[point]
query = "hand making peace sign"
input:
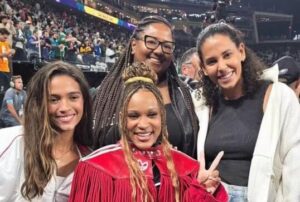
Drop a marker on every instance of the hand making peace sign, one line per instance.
(209, 178)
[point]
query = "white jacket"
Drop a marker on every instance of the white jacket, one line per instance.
(275, 167)
(12, 171)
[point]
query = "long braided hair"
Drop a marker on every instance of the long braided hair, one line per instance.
(138, 180)
(105, 112)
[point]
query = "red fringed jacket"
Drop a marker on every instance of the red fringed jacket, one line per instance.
(104, 176)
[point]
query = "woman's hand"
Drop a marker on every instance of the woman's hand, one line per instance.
(209, 178)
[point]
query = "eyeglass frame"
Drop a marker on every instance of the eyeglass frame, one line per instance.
(160, 43)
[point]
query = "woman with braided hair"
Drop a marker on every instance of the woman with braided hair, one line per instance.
(153, 43)
(143, 166)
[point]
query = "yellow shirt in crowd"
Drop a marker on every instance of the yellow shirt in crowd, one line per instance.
(4, 48)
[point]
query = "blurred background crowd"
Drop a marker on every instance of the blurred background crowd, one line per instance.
(47, 30)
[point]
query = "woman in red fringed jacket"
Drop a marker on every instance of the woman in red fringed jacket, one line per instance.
(143, 166)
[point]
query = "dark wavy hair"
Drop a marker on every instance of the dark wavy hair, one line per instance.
(40, 131)
(251, 68)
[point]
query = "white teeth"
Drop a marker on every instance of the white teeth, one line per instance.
(144, 134)
(66, 118)
(227, 75)
(155, 59)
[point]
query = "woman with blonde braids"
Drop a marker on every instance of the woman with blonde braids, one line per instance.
(143, 166)
(37, 160)
(152, 42)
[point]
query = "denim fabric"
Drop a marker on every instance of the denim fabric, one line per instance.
(9, 122)
(18, 100)
(236, 193)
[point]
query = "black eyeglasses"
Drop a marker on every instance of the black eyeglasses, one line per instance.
(152, 43)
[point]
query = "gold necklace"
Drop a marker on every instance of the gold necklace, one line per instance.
(61, 156)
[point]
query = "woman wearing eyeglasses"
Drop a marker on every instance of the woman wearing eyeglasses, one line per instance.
(152, 42)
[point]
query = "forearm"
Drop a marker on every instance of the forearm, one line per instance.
(9, 53)
(13, 112)
(3, 55)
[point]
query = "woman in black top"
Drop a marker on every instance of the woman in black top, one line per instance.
(255, 122)
(235, 95)
(152, 42)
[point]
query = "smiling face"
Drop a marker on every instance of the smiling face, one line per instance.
(222, 63)
(65, 104)
(143, 119)
(156, 59)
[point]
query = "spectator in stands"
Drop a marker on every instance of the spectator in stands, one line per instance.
(110, 54)
(143, 166)
(153, 43)
(27, 30)
(255, 122)
(189, 68)
(289, 73)
(98, 50)
(46, 46)
(72, 46)
(7, 23)
(33, 44)
(5, 54)
(86, 50)
(86, 47)
(102, 45)
(62, 43)
(55, 51)
(19, 42)
(13, 103)
(38, 160)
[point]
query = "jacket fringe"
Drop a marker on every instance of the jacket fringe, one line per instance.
(90, 184)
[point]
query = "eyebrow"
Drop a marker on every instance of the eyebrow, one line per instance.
(225, 51)
(136, 109)
(158, 39)
(70, 93)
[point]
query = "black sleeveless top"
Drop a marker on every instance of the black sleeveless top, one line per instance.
(175, 131)
(234, 128)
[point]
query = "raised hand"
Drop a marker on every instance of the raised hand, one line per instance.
(209, 178)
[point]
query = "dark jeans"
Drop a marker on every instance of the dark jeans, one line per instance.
(4, 81)
(9, 123)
